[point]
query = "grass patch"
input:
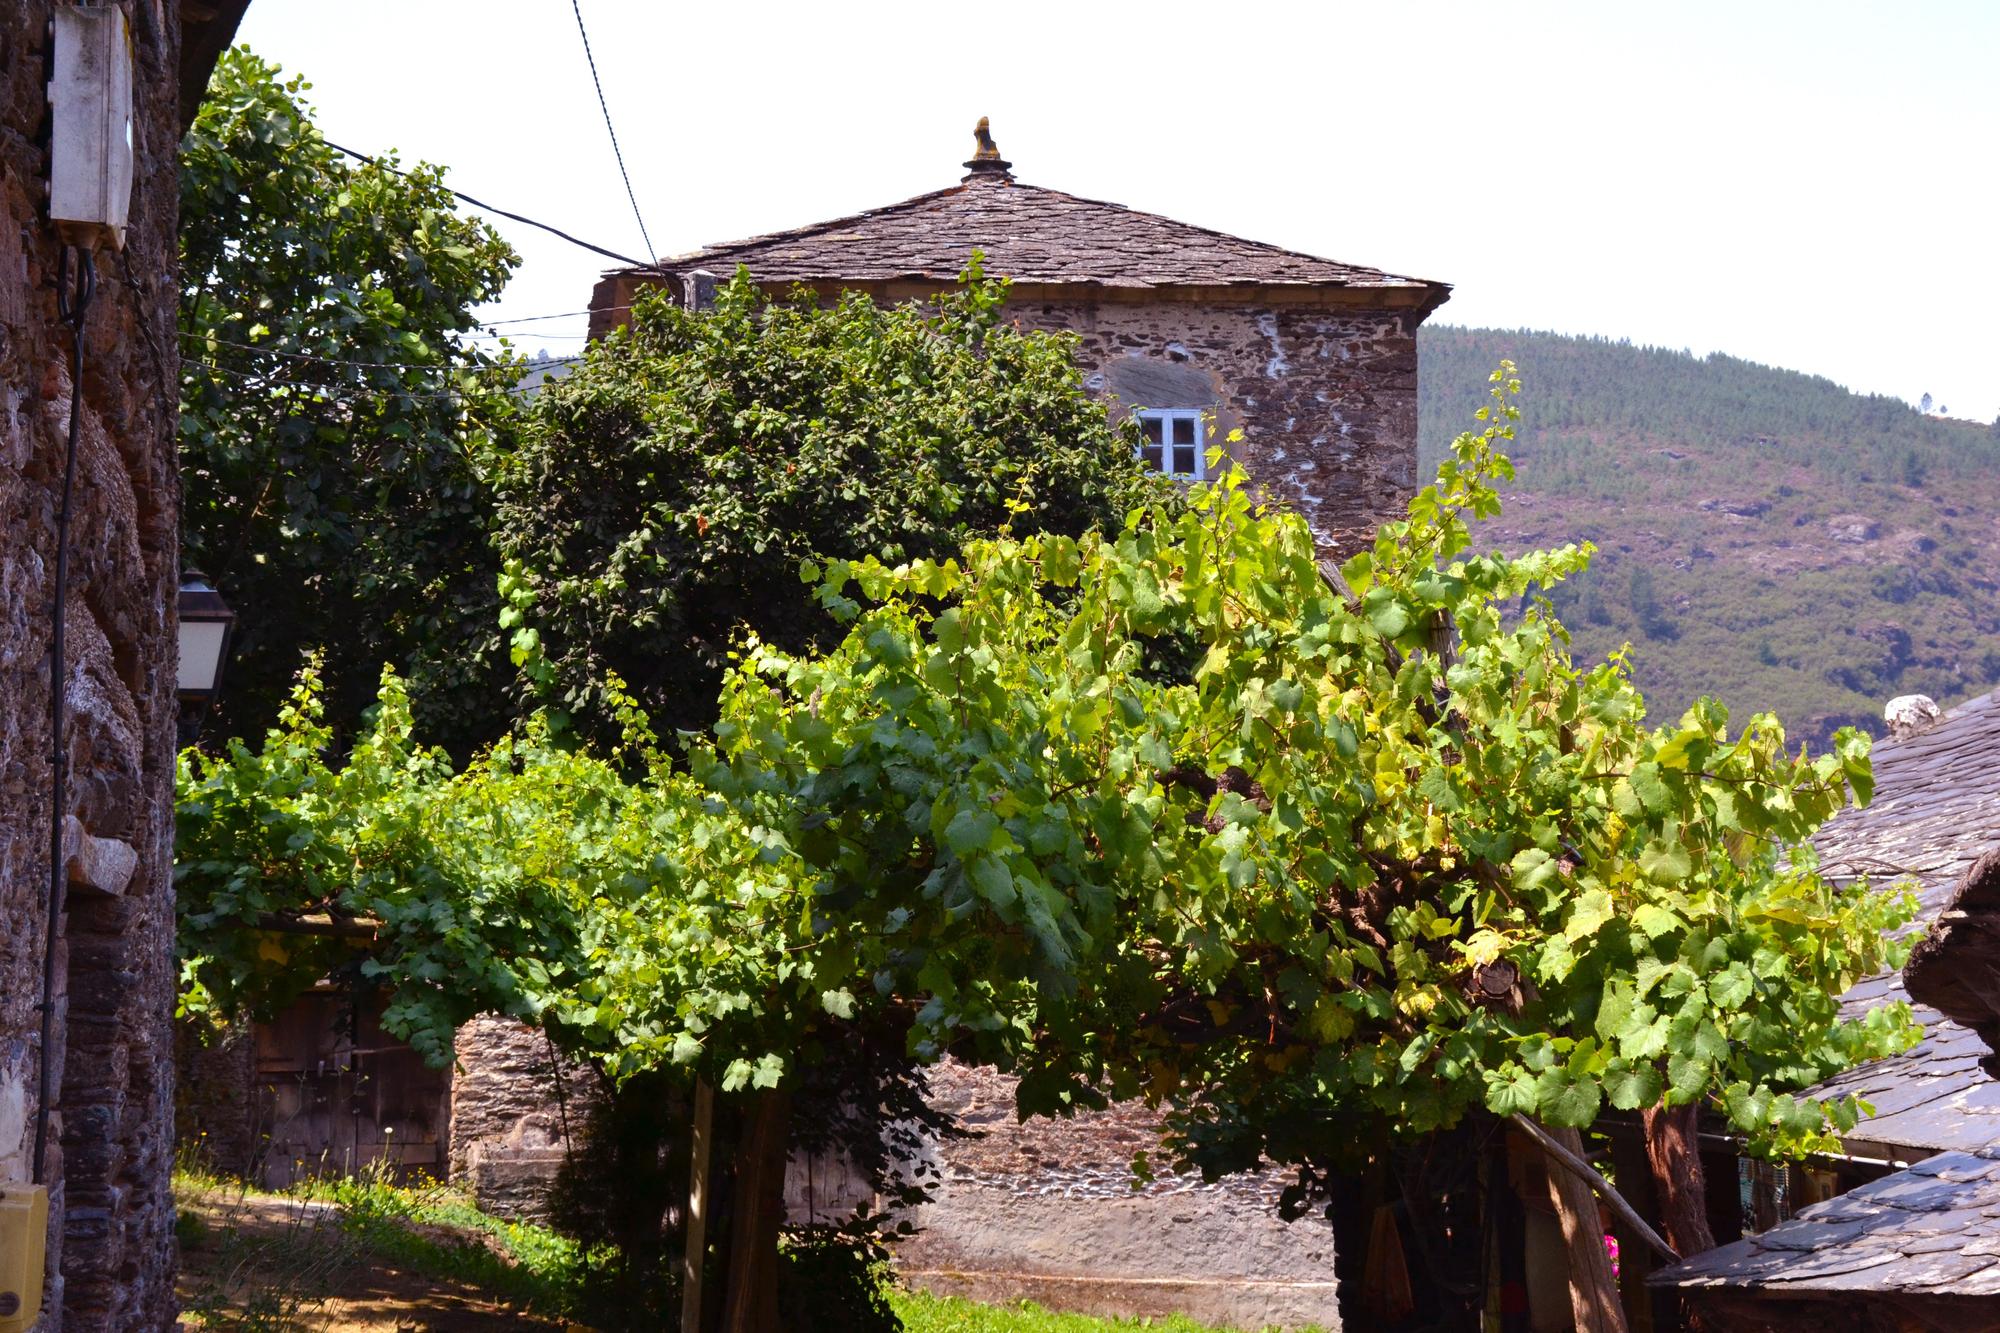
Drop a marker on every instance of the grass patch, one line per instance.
(438, 1232)
(925, 1313)
(255, 1261)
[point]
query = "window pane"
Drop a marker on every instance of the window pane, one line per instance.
(1151, 453)
(1183, 430)
(1184, 460)
(1151, 427)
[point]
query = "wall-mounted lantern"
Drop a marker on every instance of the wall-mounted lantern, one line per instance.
(206, 621)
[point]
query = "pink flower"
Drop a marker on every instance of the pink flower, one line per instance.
(1611, 1248)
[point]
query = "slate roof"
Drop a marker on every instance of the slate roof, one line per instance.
(1934, 1228)
(1936, 810)
(1031, 235)
(1931, 1230)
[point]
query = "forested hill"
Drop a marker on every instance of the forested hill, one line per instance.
(1764, 536)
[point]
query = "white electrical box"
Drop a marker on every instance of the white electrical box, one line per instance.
(90, 146)
(24, 1239)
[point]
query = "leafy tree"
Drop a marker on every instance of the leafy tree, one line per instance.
(1645, 603)
(1160, 813)
(666, 490)
(330, 416)
(1914, 472)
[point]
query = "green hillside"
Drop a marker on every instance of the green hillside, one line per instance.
(1764, 536)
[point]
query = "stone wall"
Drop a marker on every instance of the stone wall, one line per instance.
(1048, 1211)
(215, 1102)
(111, 1232)
(1326, 396)
(510, 1130)
(511, 1134)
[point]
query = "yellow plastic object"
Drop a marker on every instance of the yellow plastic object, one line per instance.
(24, 1238)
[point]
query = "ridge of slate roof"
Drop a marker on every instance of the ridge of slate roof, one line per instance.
(1029, 234)
(1936, 812)
(1933, 1229)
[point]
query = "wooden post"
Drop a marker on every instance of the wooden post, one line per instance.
(750, 1299)
(1673, 1149)
(695, 1252)
(1636, 1258)
(1593, 1293)
(1569, 1154)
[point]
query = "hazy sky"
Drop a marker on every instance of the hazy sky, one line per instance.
(1815, 186)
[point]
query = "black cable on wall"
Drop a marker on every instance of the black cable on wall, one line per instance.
(73, 304)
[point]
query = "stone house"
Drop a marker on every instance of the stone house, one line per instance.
(1315, 361)
(86, 1075)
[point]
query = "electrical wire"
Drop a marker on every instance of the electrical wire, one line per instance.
(319, 392)
(563, 314)
(492, 208)
(207, 339)
(558, 337)
(616, 151)
(536, 319)
(73, 306)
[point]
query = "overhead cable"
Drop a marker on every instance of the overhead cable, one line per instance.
(517, 217)
(325, 393)
(209, 339)
(616, 151)
(536, 319)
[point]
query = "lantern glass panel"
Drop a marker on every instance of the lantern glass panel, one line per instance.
(201, 654)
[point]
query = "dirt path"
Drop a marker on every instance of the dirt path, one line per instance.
(254, 1262)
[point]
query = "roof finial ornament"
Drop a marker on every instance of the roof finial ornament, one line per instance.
(986, 161)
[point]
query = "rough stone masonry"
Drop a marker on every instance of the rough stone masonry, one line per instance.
(1326, 398)
(111, 1216)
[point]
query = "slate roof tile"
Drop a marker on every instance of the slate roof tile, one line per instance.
(1907, 1232)
(1032, 235)
(1934, 1228)
(1936, 811)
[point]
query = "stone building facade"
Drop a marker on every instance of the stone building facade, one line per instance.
(110, 1253)
(1314, 361)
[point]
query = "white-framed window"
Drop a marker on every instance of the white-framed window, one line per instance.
(1172, 442)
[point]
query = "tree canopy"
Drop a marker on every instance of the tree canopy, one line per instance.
(332, 414)
(665, 491)
(1162, 811)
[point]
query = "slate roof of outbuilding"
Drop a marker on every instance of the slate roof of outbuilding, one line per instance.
(1936, 811)
(1031, 235)
(1934, 1228)
(1931, 1230)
